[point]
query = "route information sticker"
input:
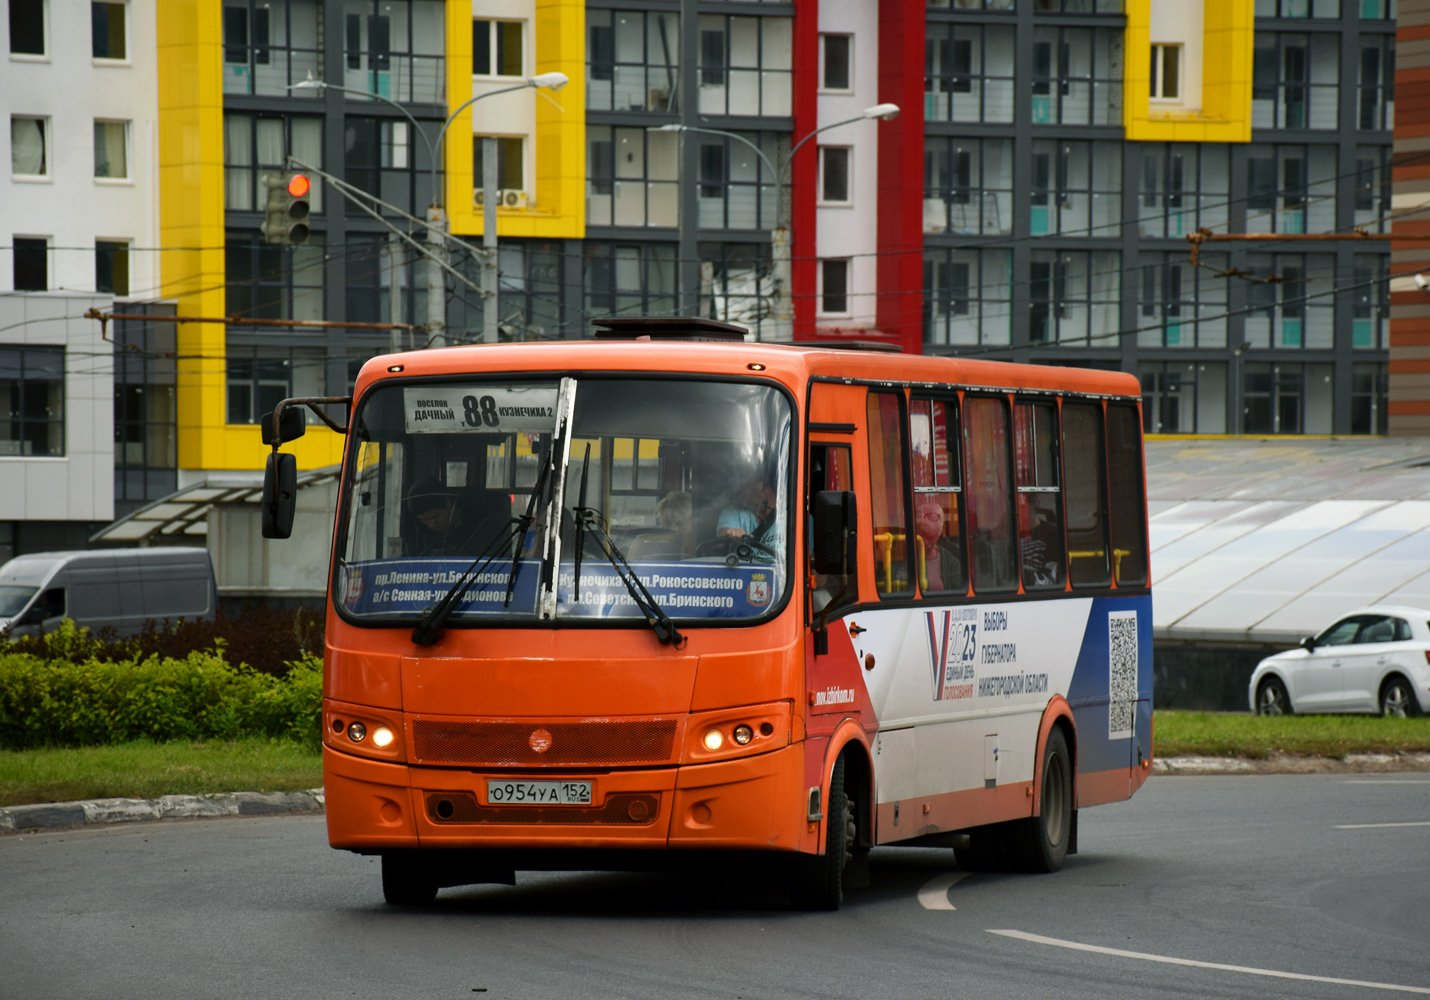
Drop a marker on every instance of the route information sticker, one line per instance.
(483, 409)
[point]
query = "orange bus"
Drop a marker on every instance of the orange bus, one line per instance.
(619, 602)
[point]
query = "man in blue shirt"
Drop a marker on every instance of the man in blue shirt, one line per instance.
(754, 515)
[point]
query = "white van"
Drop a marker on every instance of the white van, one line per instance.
(105, 588)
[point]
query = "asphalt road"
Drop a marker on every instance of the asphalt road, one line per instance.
(1243, 871)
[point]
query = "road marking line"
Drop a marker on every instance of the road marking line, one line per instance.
(934, 894)
(1386, 781)
(1075, 946)
(1376, 826)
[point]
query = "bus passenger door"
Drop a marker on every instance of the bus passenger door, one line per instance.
(833, 675)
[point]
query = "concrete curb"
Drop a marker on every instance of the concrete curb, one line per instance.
(57, 815)
(1351, 763)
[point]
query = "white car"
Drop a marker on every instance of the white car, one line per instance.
(1375, 659)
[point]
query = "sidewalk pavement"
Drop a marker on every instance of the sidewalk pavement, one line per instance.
(58, 815)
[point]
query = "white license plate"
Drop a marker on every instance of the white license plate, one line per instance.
(538, 793)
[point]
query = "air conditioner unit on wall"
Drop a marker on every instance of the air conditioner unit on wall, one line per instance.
(506, 198)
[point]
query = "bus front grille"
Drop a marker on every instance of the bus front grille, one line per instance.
(596, 742)
(621, 809)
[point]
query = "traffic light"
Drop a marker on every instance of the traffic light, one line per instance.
(287, 207)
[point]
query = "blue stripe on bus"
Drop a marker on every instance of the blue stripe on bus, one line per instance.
(1088, 694)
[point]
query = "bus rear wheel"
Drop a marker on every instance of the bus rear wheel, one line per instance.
(817, 882)
(406, 881)
(1040, 843)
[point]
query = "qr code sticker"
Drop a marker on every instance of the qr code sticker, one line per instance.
(1122, 672)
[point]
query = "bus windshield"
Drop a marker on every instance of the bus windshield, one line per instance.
(545, 497)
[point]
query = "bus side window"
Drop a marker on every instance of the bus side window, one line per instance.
(1128, 507)
(831, 467)
(886, 493)
(1035, 470)
(990, 503)
(1085, 495)
(933, 452)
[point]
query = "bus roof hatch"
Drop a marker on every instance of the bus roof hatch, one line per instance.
(667, 328)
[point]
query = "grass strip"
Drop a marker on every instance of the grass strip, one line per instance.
(145, 770)
(1232, 734)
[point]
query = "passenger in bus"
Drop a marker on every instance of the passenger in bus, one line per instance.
(754, 514)
(1042, 549)
(447, 528)
(942, 567)
(676, 512)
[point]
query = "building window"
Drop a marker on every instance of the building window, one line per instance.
(967, 297)
(1166, 72)
(1077, 188)
(383, 157)
(1316, 8)
(836, 67)
(1179, 305)
(107, 30)
(32, 397)
(368, 288)
(968, 185)
(1184, 186)
(270, 44)
(1375, 106)
(1074, 298)
(260, 377)
(29, 147)
(1183, 397)
(111, 267)
(111, 150)
(395, 48)
(31, 263)
(1077, 76)
(834, 181)
(529, 293)
(735, 283)
(27, 27)
(1290, 189)
(1069, 6)
(736, 191)
(1284, 307)
(145, 409)
(630, 279)
(1370, 302)
(511, 164)
(745, 65)
(267, 281)
(1369, 395)
(1295, 79)
(1286, 398)
(497, 48)
(1377, 10)
(1372, 188)
(971, 4)
(834, 287)
(968, 73)
(256, 144)
(633, 179)
(633, 61)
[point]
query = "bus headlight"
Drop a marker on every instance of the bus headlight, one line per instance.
(743, 734)
(714, 739)
(357, 732)
(382, 736)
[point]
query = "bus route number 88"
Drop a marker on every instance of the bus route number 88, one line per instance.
(478, 412)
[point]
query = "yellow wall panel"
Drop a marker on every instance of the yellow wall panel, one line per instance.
(1225, 114)
(560, 154)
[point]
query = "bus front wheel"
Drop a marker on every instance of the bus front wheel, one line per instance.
(406, 881)
(817, 882)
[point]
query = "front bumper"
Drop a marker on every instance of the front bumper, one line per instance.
(741, 804)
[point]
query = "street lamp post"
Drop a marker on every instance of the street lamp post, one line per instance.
(436, 212)
(779, 236)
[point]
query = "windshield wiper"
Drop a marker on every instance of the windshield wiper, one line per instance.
(538, 493)
(658, 620)
(429, 629)
(580, 508)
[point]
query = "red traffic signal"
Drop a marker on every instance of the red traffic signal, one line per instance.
(299, 185)
(286, 209)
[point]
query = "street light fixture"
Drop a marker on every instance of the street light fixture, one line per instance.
(436, 213)
(779, 236)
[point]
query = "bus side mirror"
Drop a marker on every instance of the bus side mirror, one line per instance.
(291, 424)
(280, 495)
(833, 542)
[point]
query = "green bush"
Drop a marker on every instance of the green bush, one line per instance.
(78, 698)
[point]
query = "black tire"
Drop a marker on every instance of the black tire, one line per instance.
(406, 881)
(1397, 698)
(1040, 843)
(1272, 699)
(817, 882)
